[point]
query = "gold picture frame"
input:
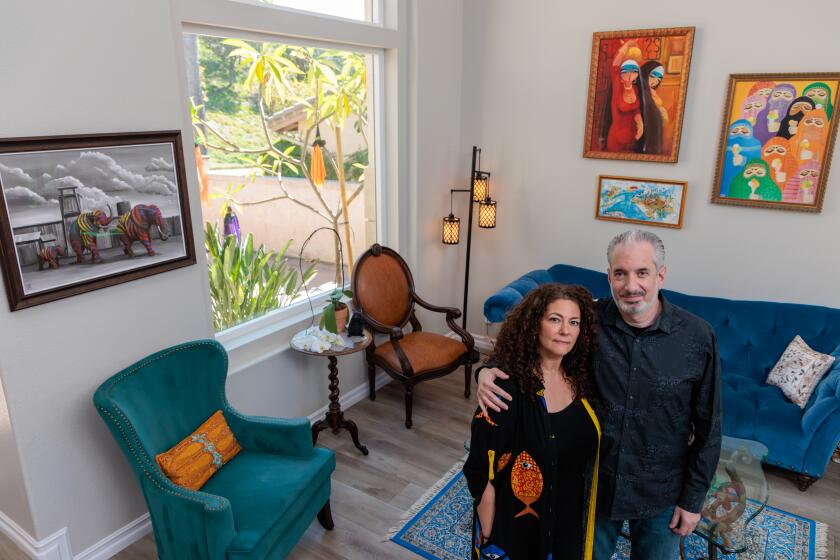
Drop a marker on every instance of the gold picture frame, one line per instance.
(775, 150)
(652, 131)
(649, 202)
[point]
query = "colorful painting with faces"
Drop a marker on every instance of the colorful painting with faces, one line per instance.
(778, 137)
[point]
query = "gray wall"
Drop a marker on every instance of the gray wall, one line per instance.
(526, 70)
(87, 67)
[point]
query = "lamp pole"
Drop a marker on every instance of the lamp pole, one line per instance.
(469, 238)
(451, 225)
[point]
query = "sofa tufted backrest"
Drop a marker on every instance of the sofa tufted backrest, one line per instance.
(751, 334)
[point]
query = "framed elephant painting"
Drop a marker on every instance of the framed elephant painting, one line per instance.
(79, 213)
(777, 139)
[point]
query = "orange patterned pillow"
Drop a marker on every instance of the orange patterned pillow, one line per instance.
(193, 461)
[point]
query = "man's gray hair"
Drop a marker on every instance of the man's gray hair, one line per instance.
(639, 236)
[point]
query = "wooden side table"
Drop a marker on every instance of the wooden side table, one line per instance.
(334, 418)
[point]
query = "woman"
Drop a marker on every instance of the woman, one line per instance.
(755, 183)
(741, 147)
(768, 121)
(532, 469)
(654, 114)
(623, 117)
(820, 94)
(795, 112)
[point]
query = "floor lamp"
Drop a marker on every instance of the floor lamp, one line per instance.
(479, 194)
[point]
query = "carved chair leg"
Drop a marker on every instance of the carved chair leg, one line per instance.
(467, 379)
(371, 381)
(804, 481)
(409, 402)
(325, 517)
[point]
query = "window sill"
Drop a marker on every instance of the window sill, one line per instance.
(272, 322)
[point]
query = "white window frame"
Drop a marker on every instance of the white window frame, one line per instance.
(386, 38)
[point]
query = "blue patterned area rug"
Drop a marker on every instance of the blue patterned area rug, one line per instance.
(438, 527)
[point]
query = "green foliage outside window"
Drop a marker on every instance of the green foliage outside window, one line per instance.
(246, 283)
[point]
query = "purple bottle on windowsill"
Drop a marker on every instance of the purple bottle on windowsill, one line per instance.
(231, 226)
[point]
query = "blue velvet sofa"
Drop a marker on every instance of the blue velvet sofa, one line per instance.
(751, 337)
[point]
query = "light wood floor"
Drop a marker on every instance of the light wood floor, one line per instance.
(370, 493)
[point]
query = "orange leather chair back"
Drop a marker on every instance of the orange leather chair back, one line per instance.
(382, 285)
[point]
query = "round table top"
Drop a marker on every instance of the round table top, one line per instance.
(360, 345)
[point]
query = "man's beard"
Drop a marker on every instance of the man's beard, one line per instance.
(633, 308)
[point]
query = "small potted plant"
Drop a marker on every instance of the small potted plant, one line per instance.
(336, 312)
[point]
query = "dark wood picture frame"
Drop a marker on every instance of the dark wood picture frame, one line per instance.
(682, 184)
(728, 119)
(10, 257)
(672, 47)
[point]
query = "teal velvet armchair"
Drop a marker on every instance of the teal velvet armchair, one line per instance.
(257, 505)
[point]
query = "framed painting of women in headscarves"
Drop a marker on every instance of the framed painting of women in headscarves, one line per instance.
(637, 85)
(776, 140)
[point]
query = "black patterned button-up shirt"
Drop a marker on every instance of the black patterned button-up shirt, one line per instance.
(658, 388)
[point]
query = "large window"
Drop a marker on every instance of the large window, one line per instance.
(284, 146)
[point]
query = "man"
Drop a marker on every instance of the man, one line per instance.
(658, 374)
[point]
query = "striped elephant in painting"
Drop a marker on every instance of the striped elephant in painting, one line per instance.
(48, 256)
(135, 225)
(83, 232)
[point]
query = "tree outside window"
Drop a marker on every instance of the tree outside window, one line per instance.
(282, 144)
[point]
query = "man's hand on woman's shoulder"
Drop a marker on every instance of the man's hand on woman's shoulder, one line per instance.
(490, 395)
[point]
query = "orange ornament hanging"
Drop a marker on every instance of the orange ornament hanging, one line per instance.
(203, 182)
(317, 170)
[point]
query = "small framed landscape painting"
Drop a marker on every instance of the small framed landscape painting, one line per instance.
(776, 140)
(79, 213)
(637, 86)
(651, 202)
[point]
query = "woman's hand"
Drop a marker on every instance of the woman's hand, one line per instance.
(488, 392)
(487, 511)
(622, 51)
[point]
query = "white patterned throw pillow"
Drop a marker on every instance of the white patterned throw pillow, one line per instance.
(799, 370)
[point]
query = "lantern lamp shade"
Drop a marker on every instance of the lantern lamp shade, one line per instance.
(487, 213)
(451, 230)
(480, 186)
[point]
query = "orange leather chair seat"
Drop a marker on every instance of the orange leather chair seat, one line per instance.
(425, 351)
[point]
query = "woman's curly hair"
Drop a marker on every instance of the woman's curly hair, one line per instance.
(517, 346)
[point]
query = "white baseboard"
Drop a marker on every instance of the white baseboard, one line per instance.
(352, 396)
(54, 547)
(120, 539)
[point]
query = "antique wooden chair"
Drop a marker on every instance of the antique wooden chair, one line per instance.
(383, 292)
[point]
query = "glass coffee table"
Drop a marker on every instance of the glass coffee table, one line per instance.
(727, 513)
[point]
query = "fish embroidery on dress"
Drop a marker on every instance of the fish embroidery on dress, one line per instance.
(486, 417)
(526, 480)
(503, 461)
